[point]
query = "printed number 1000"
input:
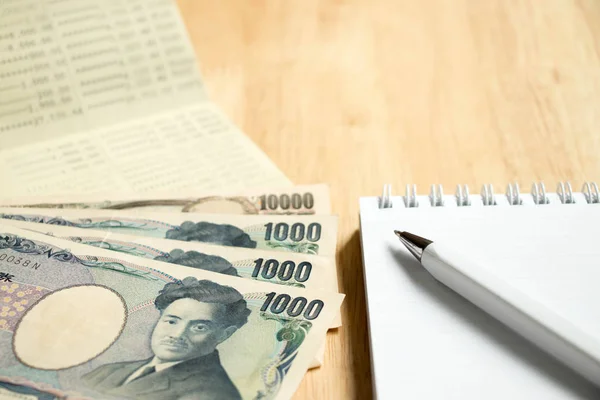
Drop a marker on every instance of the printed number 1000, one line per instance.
(293, 307)
(297, 232)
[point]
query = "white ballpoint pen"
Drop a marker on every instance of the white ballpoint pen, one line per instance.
(524, 315)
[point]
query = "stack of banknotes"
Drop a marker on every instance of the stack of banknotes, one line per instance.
(178, 296)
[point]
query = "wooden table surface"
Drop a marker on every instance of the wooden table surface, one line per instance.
(359, 93)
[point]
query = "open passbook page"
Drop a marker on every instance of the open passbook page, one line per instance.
(192, 147)
(97, 95)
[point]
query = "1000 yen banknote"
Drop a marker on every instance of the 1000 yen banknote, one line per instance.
(300, 200)
(78, 321)
(293, 269)
(314, 234)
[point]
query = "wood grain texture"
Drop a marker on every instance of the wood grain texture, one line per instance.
(359, 93)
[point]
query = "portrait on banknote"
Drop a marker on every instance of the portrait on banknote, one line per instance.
(195, 317)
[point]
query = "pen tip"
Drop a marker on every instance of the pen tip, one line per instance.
(415, 244)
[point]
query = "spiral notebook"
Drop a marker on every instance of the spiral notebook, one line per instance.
(427, 342)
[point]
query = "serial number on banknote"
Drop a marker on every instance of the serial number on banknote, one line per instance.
(19, 261)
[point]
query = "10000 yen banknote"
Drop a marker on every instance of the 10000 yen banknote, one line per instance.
(300, 200)
(294, 269)
(78, 321)
(315, 234)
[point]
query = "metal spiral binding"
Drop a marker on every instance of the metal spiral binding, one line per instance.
(436, 196)
(410, 199)
(538, 191)
(564, 192)
(385, 201)
(487, 195)
(513, 195)
(462, 196)
(590, 191)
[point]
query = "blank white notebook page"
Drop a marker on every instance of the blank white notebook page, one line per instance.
(427, 342)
